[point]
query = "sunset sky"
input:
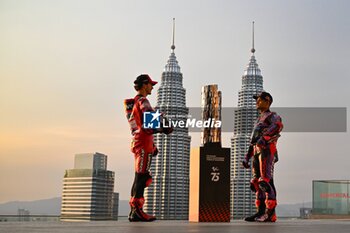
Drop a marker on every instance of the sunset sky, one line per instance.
(66, 66)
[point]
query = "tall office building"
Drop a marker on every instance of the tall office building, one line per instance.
(168, 195)
(115, 206)
(242, 198)
(88, 190)
(23, 215)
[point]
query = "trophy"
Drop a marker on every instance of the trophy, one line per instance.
(210, 167)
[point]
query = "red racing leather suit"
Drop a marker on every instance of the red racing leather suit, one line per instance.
(143, 147)
(142, 144)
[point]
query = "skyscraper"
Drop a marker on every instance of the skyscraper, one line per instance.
(168, 195)
(88, 190)
(242, 198)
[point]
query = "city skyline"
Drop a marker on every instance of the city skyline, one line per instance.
(67, 66)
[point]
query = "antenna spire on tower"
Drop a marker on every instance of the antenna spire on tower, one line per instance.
(173, 45)
(253, 49)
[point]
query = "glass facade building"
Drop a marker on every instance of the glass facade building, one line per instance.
(88, 190)
(331, 197)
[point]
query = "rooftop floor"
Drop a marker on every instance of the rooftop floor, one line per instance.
(239, 226)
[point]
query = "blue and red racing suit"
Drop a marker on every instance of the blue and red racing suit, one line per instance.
(263, 149)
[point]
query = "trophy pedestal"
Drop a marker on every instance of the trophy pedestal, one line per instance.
(210, 184)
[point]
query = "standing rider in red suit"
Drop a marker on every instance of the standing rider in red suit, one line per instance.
(263, 150)
(142, 144)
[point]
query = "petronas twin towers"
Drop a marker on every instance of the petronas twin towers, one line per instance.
(168, 196)
(242, 198)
